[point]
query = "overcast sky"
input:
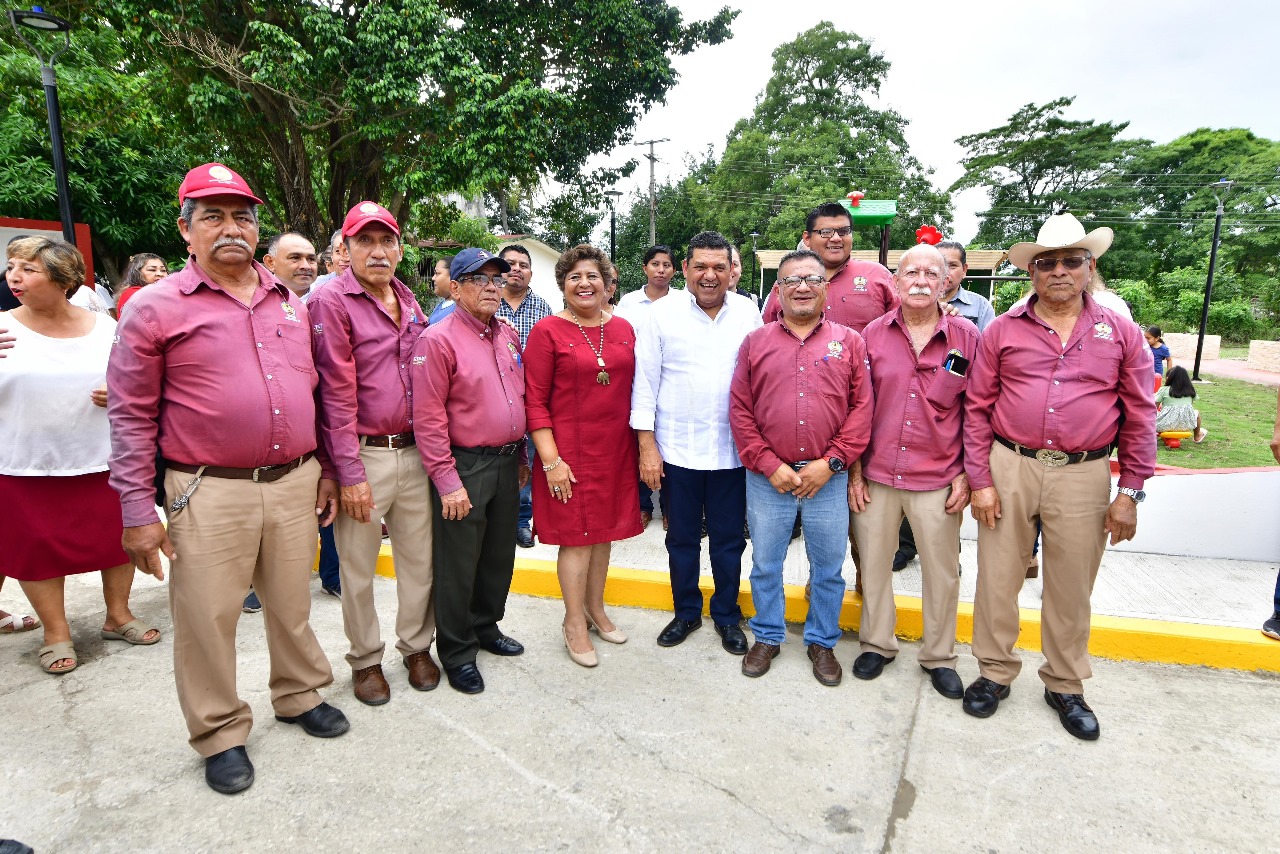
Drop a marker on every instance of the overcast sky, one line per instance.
(961, 67)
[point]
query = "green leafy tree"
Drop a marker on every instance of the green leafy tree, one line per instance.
(1040, 160)
(322, 104)
(125, 153)
(812, 138)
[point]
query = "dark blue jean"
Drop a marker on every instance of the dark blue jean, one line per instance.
(329, 559)
(722, 495)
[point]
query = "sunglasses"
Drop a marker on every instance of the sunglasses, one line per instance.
(1048, 265)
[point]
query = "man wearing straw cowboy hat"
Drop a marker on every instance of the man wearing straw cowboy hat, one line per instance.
(1058, 382)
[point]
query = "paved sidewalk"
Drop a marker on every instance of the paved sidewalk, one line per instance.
(655, 750)
(1235, 369)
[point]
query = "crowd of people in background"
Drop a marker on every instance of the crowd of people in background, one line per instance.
(239, 409)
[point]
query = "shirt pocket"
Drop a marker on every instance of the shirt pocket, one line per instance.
(297, 347)
(1101, 365)
(945, 390)
(833, 377)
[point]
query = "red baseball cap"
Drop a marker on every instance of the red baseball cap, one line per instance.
(365, 213)
(214, 179)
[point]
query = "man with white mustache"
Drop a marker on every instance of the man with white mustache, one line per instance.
(365, 323)
(914, 467)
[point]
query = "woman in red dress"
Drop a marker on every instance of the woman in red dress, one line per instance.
(579, 364)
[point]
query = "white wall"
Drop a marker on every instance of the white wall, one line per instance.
(1230, 515)
(544, 270)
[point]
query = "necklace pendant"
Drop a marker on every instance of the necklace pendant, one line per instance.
(603, 378)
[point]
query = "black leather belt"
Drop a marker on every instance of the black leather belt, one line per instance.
(262, 474)
(499, 451)
(398, 440)
(1054, 458)
(799, 465)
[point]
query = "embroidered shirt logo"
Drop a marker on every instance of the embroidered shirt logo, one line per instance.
(860, 283)
(419, 360)
(318, 329)
(515, 354)
(1102, 330)
(289, 313)
(834, 349)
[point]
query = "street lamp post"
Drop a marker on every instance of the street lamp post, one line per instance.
(755, 235)
(38, 19)
(1224, 186)
(613, 224)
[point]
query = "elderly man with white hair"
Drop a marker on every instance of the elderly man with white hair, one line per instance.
(913, 467)
(1057, 384)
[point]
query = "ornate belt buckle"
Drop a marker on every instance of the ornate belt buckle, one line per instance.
(1051, 458)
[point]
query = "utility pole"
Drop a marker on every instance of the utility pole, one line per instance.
(1222, 186)
(653, 190)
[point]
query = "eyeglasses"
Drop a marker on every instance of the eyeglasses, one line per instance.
(482, 280)
(843, 231)
(915, 273)
(813, 281)
(1048, 265)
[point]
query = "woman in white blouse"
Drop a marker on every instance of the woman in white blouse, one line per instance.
(61, 517)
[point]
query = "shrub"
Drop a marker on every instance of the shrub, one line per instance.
(1138, 295)
(1233, 320)
(1007, 294)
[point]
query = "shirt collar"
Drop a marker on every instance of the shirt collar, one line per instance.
(473, 323)
(193, 276)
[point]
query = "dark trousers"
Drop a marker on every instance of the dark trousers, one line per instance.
(329, 560)
(906, 539)
(646, 498)
(475, 556)
(722, 495)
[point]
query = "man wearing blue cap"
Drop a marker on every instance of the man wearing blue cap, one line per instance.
(467, 375)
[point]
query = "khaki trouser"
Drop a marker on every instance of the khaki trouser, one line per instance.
(402, 496)
(938, 542)
(233, 534)
(1071, 502)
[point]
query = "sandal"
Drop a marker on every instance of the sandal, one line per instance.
(134, 632)
(56, 652)
(14, 623)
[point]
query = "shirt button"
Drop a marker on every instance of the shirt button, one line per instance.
(908, 423)
(802, 394)
(801, 422)
(1051, 409)
(1055, 382)
(802, 369)
(903, 448)
(1050, 442)
(277, 447)
(259, 343)
(802, 449)
(268, 376)
(277, 411)
(913, 395)
(899, 477)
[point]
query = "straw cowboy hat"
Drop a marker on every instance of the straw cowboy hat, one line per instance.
(1061, 231)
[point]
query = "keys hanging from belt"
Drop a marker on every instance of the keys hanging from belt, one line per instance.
(180, 503)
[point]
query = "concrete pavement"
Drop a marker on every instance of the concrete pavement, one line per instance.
(656, 749)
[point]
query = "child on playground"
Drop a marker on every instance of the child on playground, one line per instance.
(1160, 352)
(1176, 401)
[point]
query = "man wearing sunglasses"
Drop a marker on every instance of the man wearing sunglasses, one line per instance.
(1058, 382)
(467, 378)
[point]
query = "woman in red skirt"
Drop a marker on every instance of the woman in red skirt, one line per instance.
(60, 518)
(579, 364)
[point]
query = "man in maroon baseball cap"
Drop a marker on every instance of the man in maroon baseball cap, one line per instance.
(212, 371)
(365, 323)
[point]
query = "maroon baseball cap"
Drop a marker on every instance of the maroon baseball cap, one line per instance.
(365, 213)
(214, 179)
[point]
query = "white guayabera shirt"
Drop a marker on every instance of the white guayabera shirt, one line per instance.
(684, 365)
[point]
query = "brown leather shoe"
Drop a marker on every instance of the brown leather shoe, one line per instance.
(1033, 568)
(826, 669)
(645, 518)
(424, 675)
(370, 685)
(758, 658)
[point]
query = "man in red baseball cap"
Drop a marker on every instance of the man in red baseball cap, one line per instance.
(365, 323)
(213, 372)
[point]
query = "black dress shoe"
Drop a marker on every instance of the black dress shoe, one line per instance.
(229, 772)
(900, 560)
(732, 639)
(324, 721)
(524, 538)
(1076, 716)
(503, 645)
(982, 698)
(869, 665)
(677, 630)
(945, 681)
(465, 678)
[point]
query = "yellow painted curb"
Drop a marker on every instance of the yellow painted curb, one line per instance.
(1119, 638)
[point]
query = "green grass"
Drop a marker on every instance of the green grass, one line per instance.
(1240, 353)
(1240, 418)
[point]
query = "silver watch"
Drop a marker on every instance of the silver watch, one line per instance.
(1136, 494)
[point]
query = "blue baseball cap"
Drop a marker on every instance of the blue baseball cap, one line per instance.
(470, 260)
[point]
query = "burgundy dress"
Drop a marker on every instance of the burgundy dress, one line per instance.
(591, 425)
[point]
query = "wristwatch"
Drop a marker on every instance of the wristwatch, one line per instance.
(837, 464)
(1136, 494)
